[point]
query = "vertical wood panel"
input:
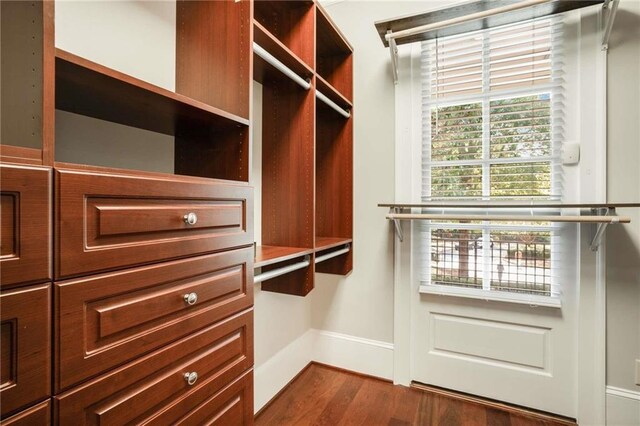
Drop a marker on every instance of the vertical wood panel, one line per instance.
(288, 177)
(213, 53)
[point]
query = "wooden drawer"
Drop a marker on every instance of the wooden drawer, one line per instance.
(108, 221)
(153, 388)
(25, 346)
(38, 415)
(25, 234)
(125, 314)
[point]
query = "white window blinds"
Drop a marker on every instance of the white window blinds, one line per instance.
(492, 128)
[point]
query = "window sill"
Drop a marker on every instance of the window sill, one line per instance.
(497, 296)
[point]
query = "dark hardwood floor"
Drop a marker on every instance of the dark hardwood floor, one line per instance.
(322, 395)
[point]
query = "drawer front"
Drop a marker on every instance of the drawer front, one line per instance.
(38, 415)
(109, 221)
(129, 313)
(25, 346)
(232, 405)
(25, 233)
(145, 388)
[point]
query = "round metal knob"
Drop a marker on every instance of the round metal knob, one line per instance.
(190, 218)
(191, 378)
(191, 298)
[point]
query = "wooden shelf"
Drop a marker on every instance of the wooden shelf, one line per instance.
(86, 88)
(334, 56)
(268, 255)
(289, 22)
(325, 243)
(332, 38)
(329, 91)
(262, 70)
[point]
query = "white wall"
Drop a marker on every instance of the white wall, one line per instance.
(134, 37)
(623, 242)
(137, 38)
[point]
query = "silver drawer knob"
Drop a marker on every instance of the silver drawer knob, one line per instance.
(191, 378)
(190, 218)
(191, 298)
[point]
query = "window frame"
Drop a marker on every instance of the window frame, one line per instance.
(555, 92)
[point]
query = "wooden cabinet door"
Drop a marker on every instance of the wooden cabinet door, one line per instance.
(111, 221)
(25, 234)
(26, 347)
(143, 390)
(126, 314)
(38, 415)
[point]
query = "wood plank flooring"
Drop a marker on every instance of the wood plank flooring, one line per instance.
(323, 395)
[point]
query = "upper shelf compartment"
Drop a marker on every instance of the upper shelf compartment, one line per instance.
(334, 60)
(289, 22)
(86, 88)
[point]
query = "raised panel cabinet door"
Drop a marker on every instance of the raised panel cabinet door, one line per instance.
(38, 415)
(165, 384)
(25, 219)
(25, 346)
(126, 314)
(109, 221)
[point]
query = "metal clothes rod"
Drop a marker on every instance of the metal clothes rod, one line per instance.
(281, 271)
(280, 66)
(613, 9)
(333, 254)
(332, 104)
(511, 218)
(471, 17)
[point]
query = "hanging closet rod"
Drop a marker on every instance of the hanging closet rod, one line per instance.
(261, 52)
(332, 104)
(461, 19)
(510, 218)
(281, 271)
(333, 254)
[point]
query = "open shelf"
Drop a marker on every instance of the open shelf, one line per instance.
(86, 88)
(262, 70)
(290, 22)
(329, 91)
(209, 142)
(268, 255)
(325, 243)
(334, 55)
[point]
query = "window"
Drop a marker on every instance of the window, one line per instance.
(492, 129)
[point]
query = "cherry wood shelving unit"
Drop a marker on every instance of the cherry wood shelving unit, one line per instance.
(307, 147)
(197, 269)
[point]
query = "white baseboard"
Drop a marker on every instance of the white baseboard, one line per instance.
(270, 377)
(623, 407)
(365, 356)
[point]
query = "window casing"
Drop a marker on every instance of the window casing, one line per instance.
(492, 119)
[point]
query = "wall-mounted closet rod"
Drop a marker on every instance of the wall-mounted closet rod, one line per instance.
(332, 254)
(471, 17)
(332, 104)
(281, 271)
(280, 66)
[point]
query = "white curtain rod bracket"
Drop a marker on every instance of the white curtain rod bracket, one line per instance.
(601, 227)
(612, 6)
(393, 50)
(335, 106)
(269, 58)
